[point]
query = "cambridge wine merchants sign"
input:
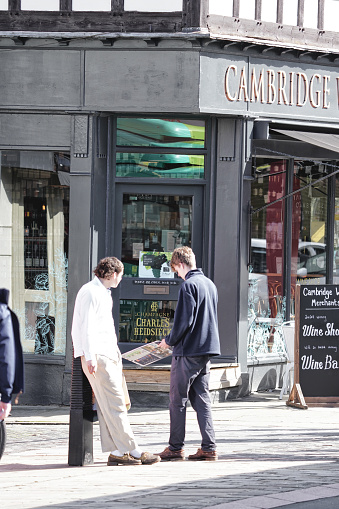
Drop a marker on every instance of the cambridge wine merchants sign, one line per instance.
(317, 343)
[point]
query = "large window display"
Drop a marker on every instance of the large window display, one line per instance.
(178, 148)
(288, 244)
(34, 256)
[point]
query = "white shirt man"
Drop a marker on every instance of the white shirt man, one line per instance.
(95, 341)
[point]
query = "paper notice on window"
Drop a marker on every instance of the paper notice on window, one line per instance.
(147, 354)
(137, 247)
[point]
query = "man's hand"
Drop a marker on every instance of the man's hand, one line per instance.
(5, 409)
(163, 344)
(92, 366)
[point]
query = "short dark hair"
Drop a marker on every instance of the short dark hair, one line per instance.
(107, 266)
(183, 255)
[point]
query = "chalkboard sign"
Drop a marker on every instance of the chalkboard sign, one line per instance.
(317, 343)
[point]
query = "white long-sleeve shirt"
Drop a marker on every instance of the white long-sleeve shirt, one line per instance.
(93, 330)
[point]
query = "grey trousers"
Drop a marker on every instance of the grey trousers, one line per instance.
(190, 381)
(115, 429)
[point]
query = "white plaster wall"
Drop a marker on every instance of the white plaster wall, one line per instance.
(40, 5)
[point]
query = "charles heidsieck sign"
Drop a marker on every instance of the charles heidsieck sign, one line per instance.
(318, 331)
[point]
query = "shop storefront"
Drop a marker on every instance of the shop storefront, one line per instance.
(141, 148)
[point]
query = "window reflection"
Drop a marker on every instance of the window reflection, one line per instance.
(160, 165)
(149, 132)
(152, 227)
(160, 134)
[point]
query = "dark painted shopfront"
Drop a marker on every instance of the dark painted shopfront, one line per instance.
(135, 148)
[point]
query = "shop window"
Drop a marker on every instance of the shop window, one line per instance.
(267, 238)
(307, 263)
(35, 197)
(160, 134)
(310, 261)
(152, 227)
(35, 243)
(143, 321)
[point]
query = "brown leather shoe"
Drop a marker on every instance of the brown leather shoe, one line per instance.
(168, 455)
(201, 455)
(148, 459)
(126, 459)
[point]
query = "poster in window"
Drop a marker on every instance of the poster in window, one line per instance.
(154, 264)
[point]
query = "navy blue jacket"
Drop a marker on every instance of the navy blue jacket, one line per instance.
(11, 358)
(195, 328)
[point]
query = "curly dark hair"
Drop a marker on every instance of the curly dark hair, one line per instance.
(107, 266)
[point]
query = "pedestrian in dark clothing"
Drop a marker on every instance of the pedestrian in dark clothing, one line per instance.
(11, 358)
(195, 339)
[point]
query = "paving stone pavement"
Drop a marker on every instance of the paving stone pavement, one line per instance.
(270, 455)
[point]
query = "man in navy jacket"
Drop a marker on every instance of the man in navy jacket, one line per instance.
(194, 338)
(11, 359)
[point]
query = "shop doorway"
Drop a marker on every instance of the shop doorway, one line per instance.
(150, 222)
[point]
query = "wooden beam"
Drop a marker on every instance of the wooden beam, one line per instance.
(117, 6)
(66, 5)
(280, 7)
(258, 8)
(321, 6)
(194, 13)
(300, 17)
(14, 5)
(236, 8)
(40, 21)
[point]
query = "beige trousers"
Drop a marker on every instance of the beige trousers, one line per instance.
(115, 429)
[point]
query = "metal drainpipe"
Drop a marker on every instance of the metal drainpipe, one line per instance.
(288, 238)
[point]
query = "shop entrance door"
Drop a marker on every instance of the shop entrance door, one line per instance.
(150, 222)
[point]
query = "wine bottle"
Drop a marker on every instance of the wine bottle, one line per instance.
(29, 256)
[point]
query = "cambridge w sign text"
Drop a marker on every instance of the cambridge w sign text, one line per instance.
(271, 87)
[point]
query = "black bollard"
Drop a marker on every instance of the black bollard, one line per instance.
(2, 437)
(80, 449)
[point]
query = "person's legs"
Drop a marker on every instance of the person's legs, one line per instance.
(179, 387)
(184, 371)
(115, 429)
(200, 399)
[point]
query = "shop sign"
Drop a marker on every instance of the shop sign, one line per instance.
(253, 85)
(270, 86)
(155, 282)
(152, 324)
(316, 359)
